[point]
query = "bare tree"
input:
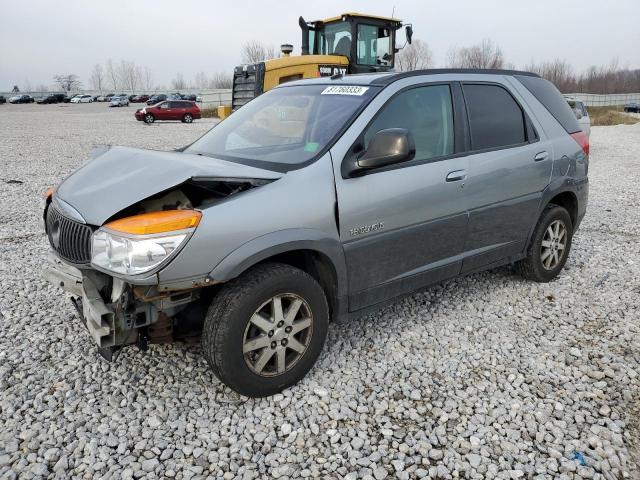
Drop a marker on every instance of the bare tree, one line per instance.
(221, 80)
(200, 80)
(129, 75)
(415, 56)
(97, 79)
(147, 79)
(112, 75)
(178, 82)
(484, 55)
(67, 82)
(253, 52)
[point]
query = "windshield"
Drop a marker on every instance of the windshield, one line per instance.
(287, 125)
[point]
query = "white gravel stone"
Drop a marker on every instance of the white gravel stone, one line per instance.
(487, 376)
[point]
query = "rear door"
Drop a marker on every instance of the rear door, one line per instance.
(177, 110)
(509, 167)
(403, 226)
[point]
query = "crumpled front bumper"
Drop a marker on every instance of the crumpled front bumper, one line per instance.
(101, 319)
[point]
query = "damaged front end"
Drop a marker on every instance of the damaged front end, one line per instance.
(111, 268)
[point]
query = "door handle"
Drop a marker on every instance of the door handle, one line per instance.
(456, 175)
(540, 156)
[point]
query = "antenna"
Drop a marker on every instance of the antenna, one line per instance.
(393, 11)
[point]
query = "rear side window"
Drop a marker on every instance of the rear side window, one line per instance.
(549, 96)
(427, 113)
(495, 119)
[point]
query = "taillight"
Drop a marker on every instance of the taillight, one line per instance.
(582, 140)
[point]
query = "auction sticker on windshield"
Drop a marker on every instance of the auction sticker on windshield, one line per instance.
(344, 90)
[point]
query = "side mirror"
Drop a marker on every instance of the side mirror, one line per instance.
(387, 147)
(408, 30)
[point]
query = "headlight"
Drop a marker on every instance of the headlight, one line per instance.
(138, 244)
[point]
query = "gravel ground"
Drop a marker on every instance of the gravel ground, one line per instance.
(487, 376)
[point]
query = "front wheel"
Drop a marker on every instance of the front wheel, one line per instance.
(149, 118)
(188, 118)
(550, 245)
(264, 330)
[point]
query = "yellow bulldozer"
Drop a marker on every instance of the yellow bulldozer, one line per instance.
(347, 43)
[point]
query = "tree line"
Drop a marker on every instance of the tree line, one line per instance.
(126, 75)
(604, 79)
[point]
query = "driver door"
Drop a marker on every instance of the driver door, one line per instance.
(403, 226)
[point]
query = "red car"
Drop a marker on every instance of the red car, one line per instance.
(182, 110)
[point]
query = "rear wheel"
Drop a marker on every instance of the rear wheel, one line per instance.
(149, 118)
(549, 246)
(264, 330)
(188, 118)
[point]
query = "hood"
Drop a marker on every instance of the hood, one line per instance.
(121, 176)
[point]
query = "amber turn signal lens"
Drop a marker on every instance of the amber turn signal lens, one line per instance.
(156, 222)
(48, 192)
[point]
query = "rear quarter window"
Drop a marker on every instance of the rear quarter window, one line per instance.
(549, 96)
(495, 118)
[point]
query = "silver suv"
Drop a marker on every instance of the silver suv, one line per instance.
(315, 202)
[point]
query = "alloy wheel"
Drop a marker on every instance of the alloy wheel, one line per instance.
(277, 335)
(554, 244)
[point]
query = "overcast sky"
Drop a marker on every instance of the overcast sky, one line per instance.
(41, 38)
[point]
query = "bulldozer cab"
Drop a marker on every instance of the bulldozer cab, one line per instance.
(348, 43)
(369, 42)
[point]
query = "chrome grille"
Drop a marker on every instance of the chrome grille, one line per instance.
(70, 239)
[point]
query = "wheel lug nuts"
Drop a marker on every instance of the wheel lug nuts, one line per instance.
(274, 344)
(270, 333)
(287, 330)
(280, 323)
(284, 342)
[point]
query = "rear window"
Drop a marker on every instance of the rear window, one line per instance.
(549, 96)
(495, 119)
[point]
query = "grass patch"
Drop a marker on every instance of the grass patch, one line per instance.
(602, 116)
(209, 112)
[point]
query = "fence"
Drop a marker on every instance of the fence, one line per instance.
(606, 100)
(210, 98)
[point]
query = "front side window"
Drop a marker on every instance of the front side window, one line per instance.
(495, 119)
(284, 126)
(374, 45)
(335, 39)
(427, 113)
(165, 105)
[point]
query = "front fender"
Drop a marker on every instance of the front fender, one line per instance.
(283, 241)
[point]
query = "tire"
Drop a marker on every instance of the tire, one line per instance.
(235, 346)
(541, 263)
(149, 118)
(188, 118)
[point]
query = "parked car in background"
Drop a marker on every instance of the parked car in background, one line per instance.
(2, 99)
(140, 98)
(50, 98)
(581, 113)
(82, 99)
(174, 96)
(182, 110)
(190, 96)
(160, 97)
(107, 97)
(633, 107)
(21, 99)
(398, 191)
(119, 101)
(60, 97)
